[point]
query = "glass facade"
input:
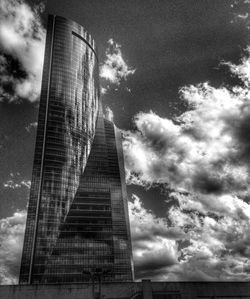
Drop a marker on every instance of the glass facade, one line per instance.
(77, 216)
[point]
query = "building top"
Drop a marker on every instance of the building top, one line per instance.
(80, 32)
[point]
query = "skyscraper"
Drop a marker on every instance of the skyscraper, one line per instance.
(77, 216)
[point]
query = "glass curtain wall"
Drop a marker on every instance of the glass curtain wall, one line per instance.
(77, 216)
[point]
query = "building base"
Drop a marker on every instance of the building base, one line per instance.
(130, 290)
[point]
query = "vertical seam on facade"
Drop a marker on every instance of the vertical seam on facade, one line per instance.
(43, 151)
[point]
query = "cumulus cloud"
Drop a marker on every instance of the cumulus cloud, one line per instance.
(114, 69)
(191, 243)
(206, 148)
(203, 157)
(22, 40)
(155, 248)
(11, 240)
(218, 237)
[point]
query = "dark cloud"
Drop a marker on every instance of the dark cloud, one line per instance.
(204, 183)
(242, 133)
(153, 265)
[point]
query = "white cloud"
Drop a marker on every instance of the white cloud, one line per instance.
(114, 69)
(242, 70)
(202, 155)
(190, 245)
(219, 239)
(22, 36)
(26, 183)
(109, 115)
(11, 240)
(104, 90)
(15, 182)
(154, 245)
(243, 16)
(240, 12)
(205, 149)
(31, 126)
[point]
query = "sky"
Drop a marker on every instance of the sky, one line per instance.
(175, 77)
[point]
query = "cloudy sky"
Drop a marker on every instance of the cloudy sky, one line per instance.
(175, 75)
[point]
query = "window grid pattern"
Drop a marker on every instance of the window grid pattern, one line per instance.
(66, 128)
(77, 215)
